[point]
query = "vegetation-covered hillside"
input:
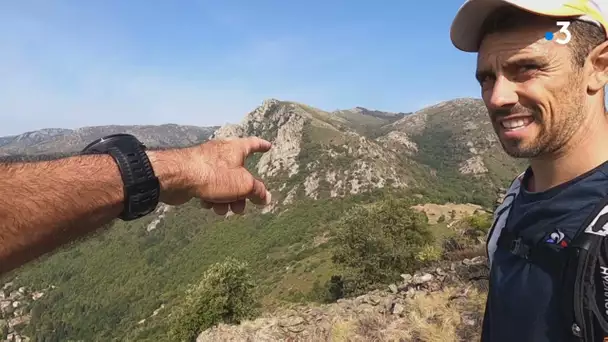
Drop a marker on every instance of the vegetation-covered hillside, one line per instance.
(131, 281)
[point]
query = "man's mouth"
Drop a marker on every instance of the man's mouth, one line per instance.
(516, 123)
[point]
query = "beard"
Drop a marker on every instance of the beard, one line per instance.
(520, 148)
(553, 130)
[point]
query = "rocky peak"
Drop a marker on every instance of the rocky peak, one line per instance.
(279, 122)
(252, 124)
(315, 151)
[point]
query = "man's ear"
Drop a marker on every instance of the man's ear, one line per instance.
(599, 63)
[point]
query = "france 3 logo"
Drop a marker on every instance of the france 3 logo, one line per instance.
(564, 29)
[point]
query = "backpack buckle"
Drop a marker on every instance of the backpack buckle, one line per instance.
(519, 248)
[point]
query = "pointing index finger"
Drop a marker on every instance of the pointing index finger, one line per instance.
(255, 144)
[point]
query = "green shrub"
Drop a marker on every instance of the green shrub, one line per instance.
(329, 292)
(225, 294)
(480, 221)
(3, 327)
(375, 244)
(429, 253)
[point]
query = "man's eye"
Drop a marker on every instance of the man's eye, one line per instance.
(487, 80)
(528, 67)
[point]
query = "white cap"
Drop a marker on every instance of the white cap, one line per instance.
(466, 27)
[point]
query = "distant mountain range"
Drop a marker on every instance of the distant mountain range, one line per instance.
(124, 283)
(327, 154)
(59, 140)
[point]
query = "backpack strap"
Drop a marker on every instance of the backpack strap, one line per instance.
(530, 244)
(579, 268)
(584, 269)
(500, 217)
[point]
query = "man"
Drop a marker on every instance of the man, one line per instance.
(46, 204)
(542, 82)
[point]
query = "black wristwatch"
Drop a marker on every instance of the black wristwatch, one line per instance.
(141, 186)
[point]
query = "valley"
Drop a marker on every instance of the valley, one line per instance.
(334, 176)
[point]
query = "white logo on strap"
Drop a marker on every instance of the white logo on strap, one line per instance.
(599, 225)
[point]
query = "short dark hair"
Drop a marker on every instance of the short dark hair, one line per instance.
(585, 35)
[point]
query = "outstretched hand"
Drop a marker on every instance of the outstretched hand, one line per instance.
(215, 173)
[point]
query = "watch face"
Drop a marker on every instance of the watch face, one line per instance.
(101, 144)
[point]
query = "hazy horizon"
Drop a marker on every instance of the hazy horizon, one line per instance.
(71, 64)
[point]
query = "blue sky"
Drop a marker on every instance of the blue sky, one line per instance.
(79, 63)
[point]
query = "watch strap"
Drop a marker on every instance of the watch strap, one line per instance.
(141, 186)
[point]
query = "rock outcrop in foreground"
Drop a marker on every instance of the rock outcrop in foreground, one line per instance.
(441, 304)
(15, 310)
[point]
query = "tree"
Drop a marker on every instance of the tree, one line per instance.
(379, 242)
(480, 221)
(225, 294)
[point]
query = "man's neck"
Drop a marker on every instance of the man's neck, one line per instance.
(585, 151)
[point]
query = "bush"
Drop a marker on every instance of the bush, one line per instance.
(429, 253)
(375, 244)
(330, 292)
(480, 221)
(225, 294)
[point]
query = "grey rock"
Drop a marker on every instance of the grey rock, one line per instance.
(406, 278)
(468, 322)
(425, 278)
(398, 309)
(291, 321)
(388, 304)
(373, 300)
(478, 260)
(403, 287)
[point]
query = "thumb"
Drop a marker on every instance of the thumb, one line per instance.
(259, 195)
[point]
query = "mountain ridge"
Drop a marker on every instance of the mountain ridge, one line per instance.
(61, 140)
(126, 282)
(318, 153)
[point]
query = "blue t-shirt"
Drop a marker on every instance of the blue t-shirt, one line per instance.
(523, 300)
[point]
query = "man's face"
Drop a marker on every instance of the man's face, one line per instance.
(533, 91)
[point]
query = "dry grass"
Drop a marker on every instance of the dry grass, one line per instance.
(342, 332)
(438, 316)
(372, 328)
(430, 319)
(435, 317)
(453, 314)
(435, 211)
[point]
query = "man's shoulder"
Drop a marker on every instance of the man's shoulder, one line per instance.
(507, 197)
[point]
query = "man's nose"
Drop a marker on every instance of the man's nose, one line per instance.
(503, 94)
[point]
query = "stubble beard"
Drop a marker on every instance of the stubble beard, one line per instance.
(556, 130)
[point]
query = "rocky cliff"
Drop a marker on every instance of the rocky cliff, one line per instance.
(121, 284)
(319, 154)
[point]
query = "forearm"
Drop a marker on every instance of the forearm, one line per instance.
(44, 205)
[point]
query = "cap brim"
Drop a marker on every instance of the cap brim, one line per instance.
(466, 27)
